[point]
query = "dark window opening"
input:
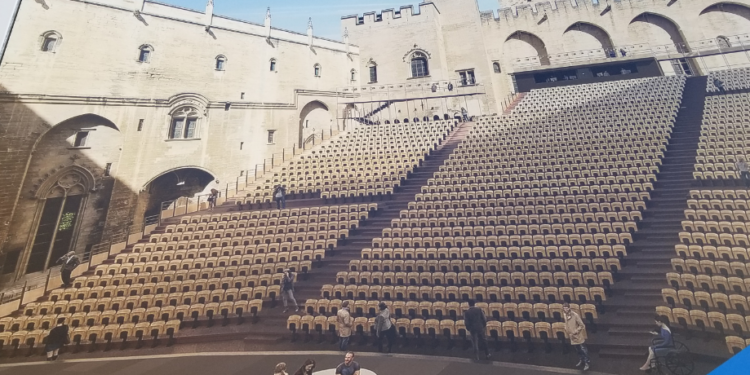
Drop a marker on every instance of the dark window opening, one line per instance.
(81, 138)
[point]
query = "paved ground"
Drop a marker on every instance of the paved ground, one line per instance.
(263, 363)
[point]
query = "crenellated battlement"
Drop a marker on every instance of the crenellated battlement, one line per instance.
(404, 13)
(551, 7)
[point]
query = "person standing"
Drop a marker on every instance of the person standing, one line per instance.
(349, 367)
(287, 289)
(279, 195)
(57, 337)
(661, 344)
(384, 327)
(464, 114)
(576, 330)
(744, 170)
(69, 262)
(344, 322)
(212, 199)
(476, 324)
(307, 368)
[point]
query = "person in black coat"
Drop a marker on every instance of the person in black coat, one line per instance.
(476, 324)
(57, 337)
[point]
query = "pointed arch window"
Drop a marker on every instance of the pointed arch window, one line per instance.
(63, 196)
(496, 67)
(317, 70)
(419, 66)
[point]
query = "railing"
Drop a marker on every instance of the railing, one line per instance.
(694, 49)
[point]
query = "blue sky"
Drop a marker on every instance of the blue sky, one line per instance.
(293, 14)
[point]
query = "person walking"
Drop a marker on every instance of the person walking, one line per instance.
(344, 323)
(349, 366)
(57, 337)
(279, 195)
(476, 324)
(287, 289)
(212, 199)
(69, 262)
(661, 344)
(384, 327)
(307, 368)
(576, 330)
(744, 170)
(280, 369)
(464, 114)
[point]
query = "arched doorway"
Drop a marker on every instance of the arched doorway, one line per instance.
(313, 118)
(72, 181)
(173, 184)
(529, 40)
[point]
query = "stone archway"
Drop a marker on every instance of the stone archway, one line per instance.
(533, 41)
(656, 26)
(173, 184)
(71, 182)
(596, 35)
(313, 118)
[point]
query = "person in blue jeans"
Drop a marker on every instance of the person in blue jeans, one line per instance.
(279, 195)
(661, 344)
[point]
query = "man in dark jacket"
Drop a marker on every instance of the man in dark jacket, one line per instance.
(69, 262)
(57, 337)
(476, 324)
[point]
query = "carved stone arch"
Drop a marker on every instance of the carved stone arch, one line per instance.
(534, 41)
(595, 31)
(739, 9)
(666, 24)
(316, 111)
(197, 101)
(72, 179)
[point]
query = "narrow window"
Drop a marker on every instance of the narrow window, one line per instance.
(140, 125)
(271, 134)
(496, 67)
(220, 62)
(144, 56)
(273, 65)
(178, 125)
(353, 74)
(190, 128)
(107, 169)
(307, 124)
(49, 44)
(241, 144)
(317, 70)
(81, 139)
(373, 74)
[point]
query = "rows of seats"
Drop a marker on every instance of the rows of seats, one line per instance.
(278, 214)
(532, 210)
(731, 79)
(711, 277)
(726, 119)
(206, 266)
(103, 333)
(367, 160)
(440, 320)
